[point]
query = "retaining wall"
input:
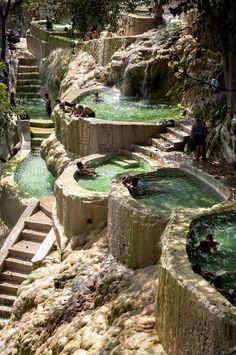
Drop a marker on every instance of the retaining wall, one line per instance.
(192, 317)
(85, 136)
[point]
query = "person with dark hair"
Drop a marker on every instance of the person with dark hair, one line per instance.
(12, 99)
(66, 103)
(49, 25)
(97, 98)
(198, 135)
(81, 169)
(82, 111)
(48, 106)
(213, 244)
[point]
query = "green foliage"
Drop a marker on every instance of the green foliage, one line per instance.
(84, 13)
(217, 17)
(4, 110)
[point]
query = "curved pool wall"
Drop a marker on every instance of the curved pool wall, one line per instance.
(13, 199)
(78, 211)
(86, 136)
(192, 317)
(135, 230)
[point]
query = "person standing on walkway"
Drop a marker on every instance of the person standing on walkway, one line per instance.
(198, 135)
(48, 106)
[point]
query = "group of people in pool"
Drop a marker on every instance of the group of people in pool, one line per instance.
(206, 246)
(78, 109)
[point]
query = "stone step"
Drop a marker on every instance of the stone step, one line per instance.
(39, 221)
(172, 140)
(36, 142)
(8, 287)
(28, 76)
(42, 123)
(15, 276)
(7, 299)
(147, 150)
(25, 249)
(5, 311)
(28, 69)
(33, 235)
(47, 204)
(37, 132)
(28, 95)
(126, 163)
(162, 144)
(28, 82)
(28, 61)
(182, 135)
(28, 89)
(18, 264)
(3, 322)
(186, 127)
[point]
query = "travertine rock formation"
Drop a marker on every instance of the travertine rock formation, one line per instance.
(87, 304)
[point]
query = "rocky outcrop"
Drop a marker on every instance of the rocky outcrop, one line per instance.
(55, 155)
(88, 303)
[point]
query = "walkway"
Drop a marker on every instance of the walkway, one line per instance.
(25, 247)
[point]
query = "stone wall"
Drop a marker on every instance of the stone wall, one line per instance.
(132, 24)
(134, 231)
(85, 136)
(192, 317)
(41, 43)
(78, 211)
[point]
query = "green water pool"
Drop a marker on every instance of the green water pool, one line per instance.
(33, 176)
(221, 262)
(58, 27)
(36, 109)
(107, 170)
(116, 107)
(169, 189)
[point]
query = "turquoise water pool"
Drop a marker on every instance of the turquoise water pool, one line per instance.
(33, 176)
(116, 107)
(107, 170)
(222, 261)
(169, 189)
(36, 109)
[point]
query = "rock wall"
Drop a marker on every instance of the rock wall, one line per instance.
(85, 136)
(192, 317)
(78, 211)
(134, 231)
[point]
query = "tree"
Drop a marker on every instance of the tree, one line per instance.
(84, 14)
(218, 17)
(5, 118)
(5, 6)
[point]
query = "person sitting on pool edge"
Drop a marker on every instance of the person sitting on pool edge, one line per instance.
(82, 111)
(65, 108)
(81, 169)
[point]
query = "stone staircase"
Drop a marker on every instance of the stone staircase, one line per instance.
(40, 130)
(28, 87)
(29, 241)
(28, 81)
(174, 139)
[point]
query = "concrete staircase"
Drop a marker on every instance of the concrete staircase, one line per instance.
(28, 81)
(29, 241)
(39, 133)
(174, 139)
